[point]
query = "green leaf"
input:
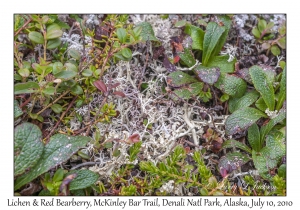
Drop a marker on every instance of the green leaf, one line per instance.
(49, 91)
(232, 85)
(70, 72)
(254, 137)
(84, 154)
(62, 24)
(53, 31)
(282, 90)
(202, 22)
(208, 75)
(180, 23)
(242, 119)
(74, 54)
(267, 128)
(40, 118)
(108, 145)
(234, 143)
(282, 171)
(57, 67)
(262, 24)
(122, 35)
(256, 32)
(282, 43)
(269, 37)
(222, 63)
(59, 175)
(71, 67)
(80, 192)
(224, 97)
(53, 43)
(126, 52)
(227, 24)
(282, 30)
(137, 32)
(187, 57)
(147, 32)
(17, 77)
(65, 74)
(179, 78)
(197, 35)
(59, 149)
(28, 87)
(248, 99)
(211, 39)
(260, 161)
(17, 110)
(24, 72)
(36, 37)
(119, 56)
(84, 179)
(87, 72)
(261, 105)
(263, 85)
(77, 90)
(45, 193)
(275, 141)
(28, 147)
(203, 191)
(275, 50)
(190, 90)
(269, 156)
(56, 108)
(269, 26)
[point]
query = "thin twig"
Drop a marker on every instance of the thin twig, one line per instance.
(65, 93)
(25, 24)
(92, 122)
(143, 72)
(192, 144)
(61, 117)
(26, 102)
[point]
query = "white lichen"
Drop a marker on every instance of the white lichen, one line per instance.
(229, 50)
(240, 20)
(278, 21)
(169, 121)
(271, 114)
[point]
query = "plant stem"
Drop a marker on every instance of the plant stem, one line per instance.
(61, 117)
(92, 122)
(62, 95)
(25, 24)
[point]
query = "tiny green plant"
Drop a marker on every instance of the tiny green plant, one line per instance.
(53, 184)
(175, 169)
(214, 70)
(264, 34)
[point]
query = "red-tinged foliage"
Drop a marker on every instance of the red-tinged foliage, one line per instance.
(101, 86)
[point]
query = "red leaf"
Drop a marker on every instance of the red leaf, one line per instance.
(134, 138)
(119, 93)
(176, 59)
(100, 85)
(223, 172)
(115, 85)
